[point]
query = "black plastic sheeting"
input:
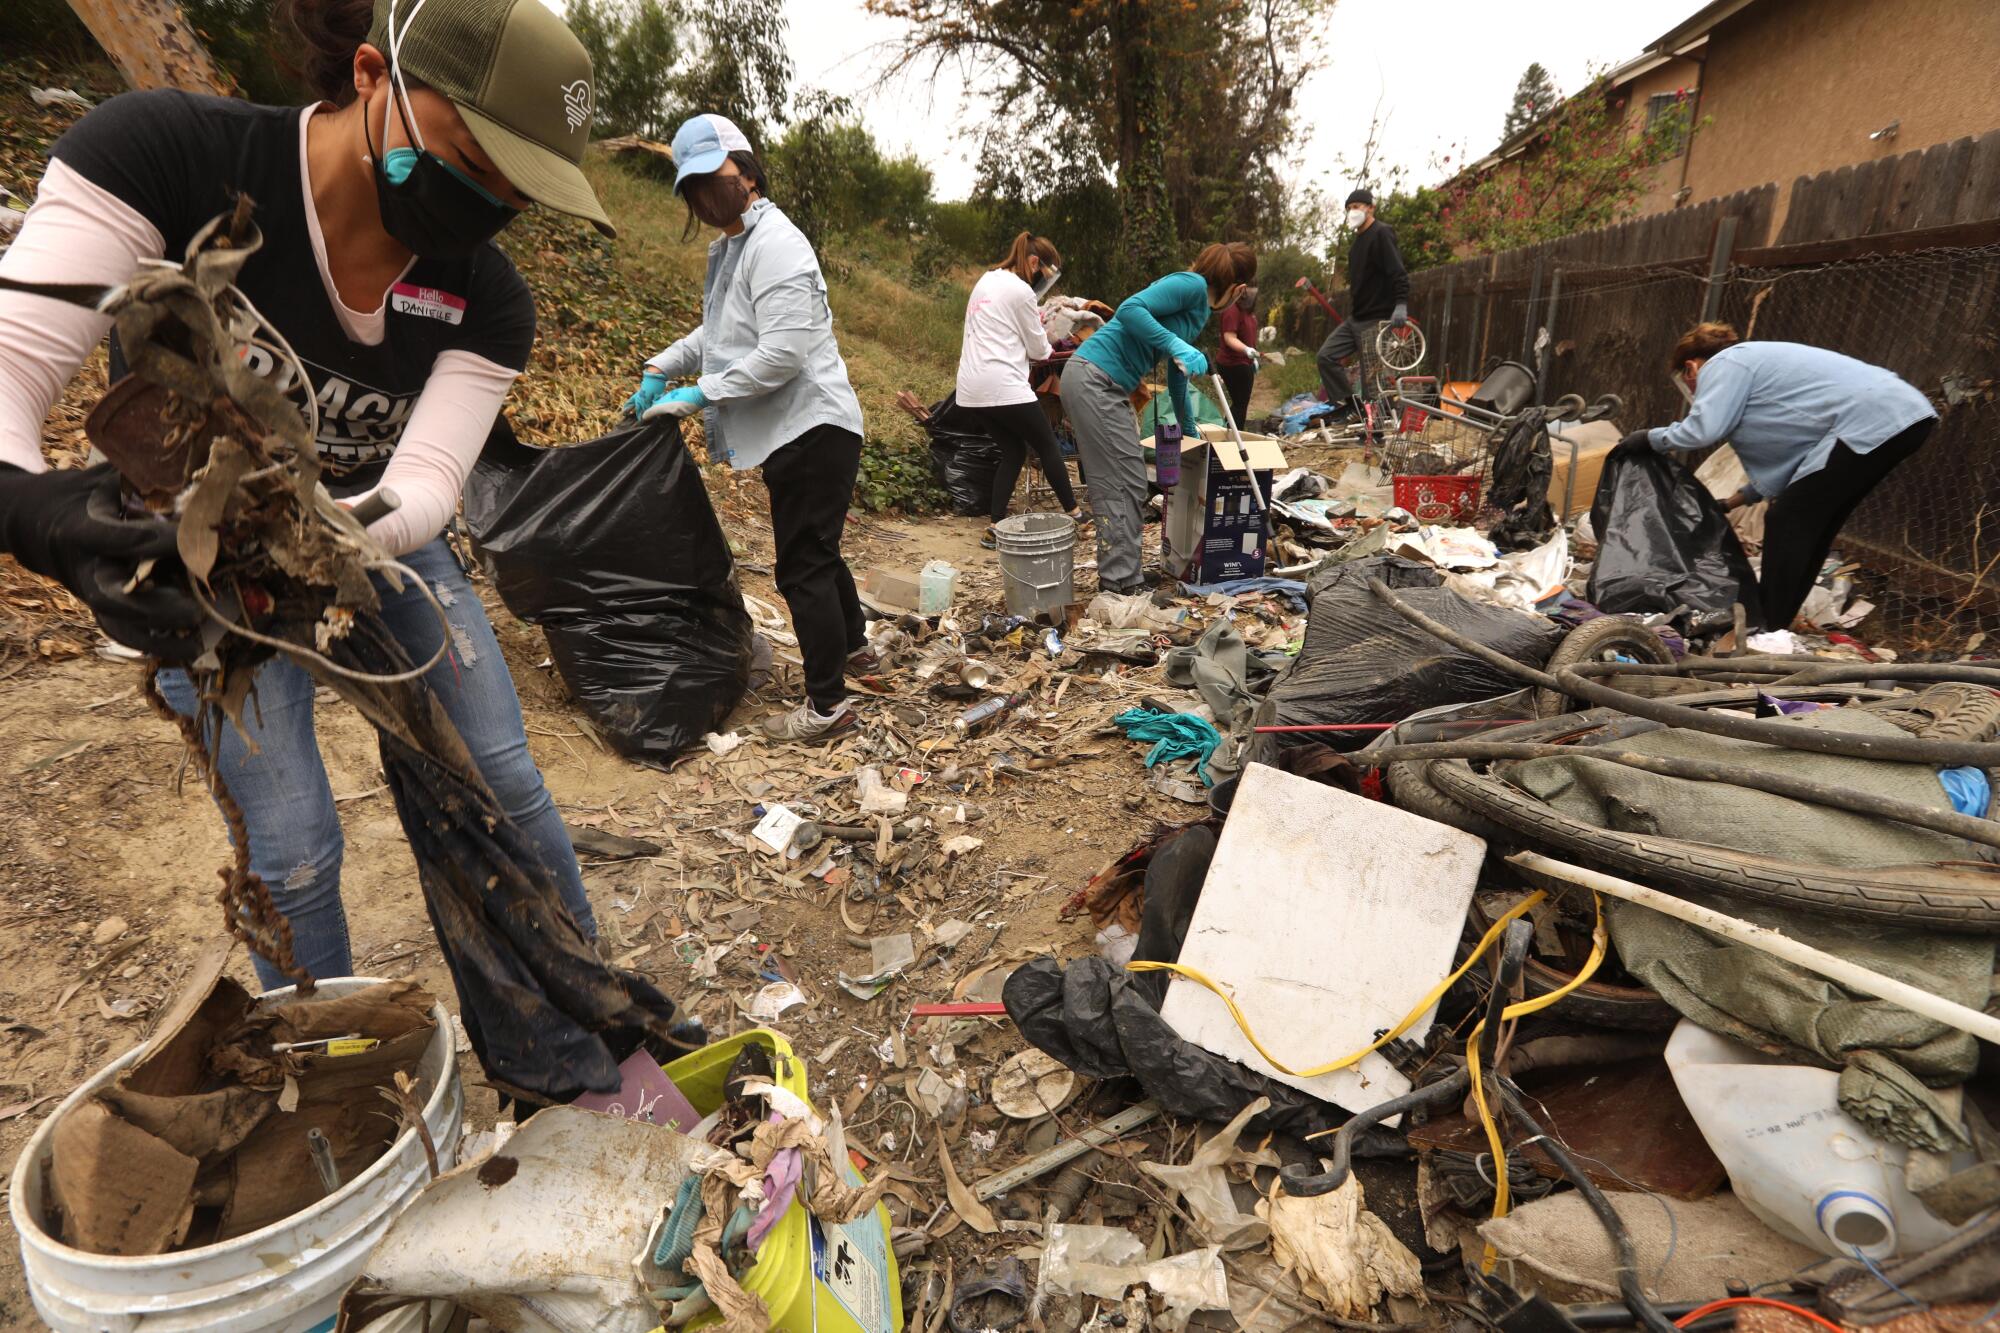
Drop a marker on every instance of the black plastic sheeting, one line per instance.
(613, 549)
(963, 457)
(548, 1018)
(1663, 542)
(1105, 1023)
(1361, 662)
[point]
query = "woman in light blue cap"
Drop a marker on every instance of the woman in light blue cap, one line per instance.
(773, 393)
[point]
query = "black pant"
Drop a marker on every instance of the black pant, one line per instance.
(1802, 524)
(811, 481)
(1017, 428)
(1237, 381)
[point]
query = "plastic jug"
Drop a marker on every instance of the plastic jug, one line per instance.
(1806, 1168)
(937, 584)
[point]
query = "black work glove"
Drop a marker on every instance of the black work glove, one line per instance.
(1639, 441)
(67, 525)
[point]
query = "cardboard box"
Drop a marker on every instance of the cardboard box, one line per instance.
(1593, 443)
(1215, 527)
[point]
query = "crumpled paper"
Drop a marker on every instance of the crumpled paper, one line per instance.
(1204, 1183)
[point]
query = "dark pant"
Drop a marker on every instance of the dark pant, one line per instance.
(1802, 523)
(1342, 343)
(1237, 382)
(811, 481)
(1017, 428)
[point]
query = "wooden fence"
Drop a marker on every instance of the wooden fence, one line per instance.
(1896, 262)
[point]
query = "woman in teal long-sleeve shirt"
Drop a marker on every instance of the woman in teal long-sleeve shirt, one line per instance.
(1160, 322)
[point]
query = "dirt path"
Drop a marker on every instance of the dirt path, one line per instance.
(99, 827)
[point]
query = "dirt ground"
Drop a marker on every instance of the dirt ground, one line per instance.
(101, 829)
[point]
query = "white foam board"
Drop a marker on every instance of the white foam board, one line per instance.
(1327, 916)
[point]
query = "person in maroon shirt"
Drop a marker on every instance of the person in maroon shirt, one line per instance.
(1237, 360)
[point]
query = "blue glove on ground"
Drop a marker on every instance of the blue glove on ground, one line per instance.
(683, 402)
(651, 386)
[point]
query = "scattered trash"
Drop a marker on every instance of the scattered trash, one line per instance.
(1032, 1084)
(877, 798)
(724, 744)
(889, 957)
(962, 845)
(779, 827)
(1105, 1261)
(770, 1003)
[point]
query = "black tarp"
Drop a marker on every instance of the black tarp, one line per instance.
(1361, 662)
(614, 550)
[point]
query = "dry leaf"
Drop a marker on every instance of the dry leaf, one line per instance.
(976, 1214)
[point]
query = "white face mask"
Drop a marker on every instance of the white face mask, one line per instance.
(1355, 217)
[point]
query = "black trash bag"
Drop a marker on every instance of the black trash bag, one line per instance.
(1663, 542)
(1522, 466)
(1362, 662)
(613, 549)
(963, 457)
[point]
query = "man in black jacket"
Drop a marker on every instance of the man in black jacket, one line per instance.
(1378, 288)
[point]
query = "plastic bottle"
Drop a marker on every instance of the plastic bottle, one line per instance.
(937, 584)
(984, 713)
(1805, 1167)
(1167, 454)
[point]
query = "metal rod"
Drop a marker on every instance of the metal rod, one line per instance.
(321, 1153)
(1062, 1154)
(1548, 338)
(1235, 435)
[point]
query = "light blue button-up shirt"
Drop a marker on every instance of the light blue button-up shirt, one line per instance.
(1783, 406)
(765, 352)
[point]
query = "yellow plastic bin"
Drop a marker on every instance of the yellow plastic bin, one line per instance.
(812, 1275)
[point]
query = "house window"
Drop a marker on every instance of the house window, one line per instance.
(1660, 105)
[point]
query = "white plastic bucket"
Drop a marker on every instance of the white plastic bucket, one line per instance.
(286, 1278)
(1037, 562)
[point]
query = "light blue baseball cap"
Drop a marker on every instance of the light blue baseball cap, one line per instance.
(703, 143)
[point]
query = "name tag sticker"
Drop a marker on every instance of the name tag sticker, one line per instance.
(432, 303)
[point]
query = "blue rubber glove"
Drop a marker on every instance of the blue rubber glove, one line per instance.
(1399, 317)
(1189, 358)
(651, 385)
(683, 402)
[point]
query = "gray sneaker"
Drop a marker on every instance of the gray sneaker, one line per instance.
(805, 723)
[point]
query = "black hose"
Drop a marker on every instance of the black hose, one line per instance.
(1642, 1308)
(1298, 1181)
(1904, 749)
(1859, 802)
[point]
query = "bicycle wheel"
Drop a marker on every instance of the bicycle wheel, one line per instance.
(1400, 350)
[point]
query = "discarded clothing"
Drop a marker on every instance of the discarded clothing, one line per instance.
(1230, 678)
(1292, 590)
(781, 1183)
(1970, 790)
(1629, 800)
(1754, 998)
(1174, 736)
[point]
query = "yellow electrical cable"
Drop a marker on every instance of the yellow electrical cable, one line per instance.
(1600, 943)
(1410, 1019)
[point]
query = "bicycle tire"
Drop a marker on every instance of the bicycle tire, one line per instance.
(1589, 642)
(1961, 897)
(1634, 1008)
(1410, 789)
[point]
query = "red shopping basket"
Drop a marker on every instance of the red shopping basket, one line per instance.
(1451, 499)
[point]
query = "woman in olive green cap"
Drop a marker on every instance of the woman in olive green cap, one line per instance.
(440, 121)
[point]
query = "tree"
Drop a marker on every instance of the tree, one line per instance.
(832, 177)
(152, 44)
(1534, 97)
(1185, 104)
(1584, 168)
(633, 51)
(660, 61)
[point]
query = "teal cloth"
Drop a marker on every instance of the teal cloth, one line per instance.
(1174, 736)
(1161, 321)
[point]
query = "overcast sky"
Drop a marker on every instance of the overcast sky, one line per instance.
(1443, 72)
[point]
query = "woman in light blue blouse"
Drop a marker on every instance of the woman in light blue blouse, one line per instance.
(1815, 430)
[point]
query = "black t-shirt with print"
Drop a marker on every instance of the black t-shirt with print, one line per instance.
(180, 159)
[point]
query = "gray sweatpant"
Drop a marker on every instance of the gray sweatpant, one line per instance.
(1114, 464)
(1347, 338)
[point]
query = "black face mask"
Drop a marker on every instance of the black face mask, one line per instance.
(429, 206)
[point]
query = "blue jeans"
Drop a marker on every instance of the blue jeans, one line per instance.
(295, 840)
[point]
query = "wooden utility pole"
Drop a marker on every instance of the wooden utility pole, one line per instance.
(153, 45)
